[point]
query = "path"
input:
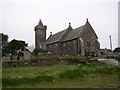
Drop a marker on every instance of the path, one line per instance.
(110, 61)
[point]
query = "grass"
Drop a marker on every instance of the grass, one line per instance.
(90, 75)
(89, 69)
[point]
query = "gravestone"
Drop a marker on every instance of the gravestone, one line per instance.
(27, 54)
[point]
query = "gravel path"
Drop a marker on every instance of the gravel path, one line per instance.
(110, 61)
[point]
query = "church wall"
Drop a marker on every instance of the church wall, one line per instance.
(54, 49)
(80, 47)
(91, 44)
(70, 48)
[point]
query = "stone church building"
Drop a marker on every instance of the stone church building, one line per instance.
(81, 41)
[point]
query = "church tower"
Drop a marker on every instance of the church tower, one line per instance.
(40, 36)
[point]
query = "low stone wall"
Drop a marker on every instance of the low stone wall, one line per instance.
(46, 61)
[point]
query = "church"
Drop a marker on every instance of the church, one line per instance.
(81, 41)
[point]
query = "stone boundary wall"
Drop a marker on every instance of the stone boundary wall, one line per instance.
(49, 61)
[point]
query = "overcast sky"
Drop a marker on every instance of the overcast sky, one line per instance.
(19, 17)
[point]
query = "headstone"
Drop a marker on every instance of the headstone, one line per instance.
(27, 54)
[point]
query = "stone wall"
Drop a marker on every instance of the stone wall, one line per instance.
(47, 61)
(54, 49)
(70, 48)
(90, 40)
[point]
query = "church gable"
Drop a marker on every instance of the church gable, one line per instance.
(58, 37)
(73, 34)
(89, 38)
(88, 31)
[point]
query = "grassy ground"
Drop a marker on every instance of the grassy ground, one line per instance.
(90, 75)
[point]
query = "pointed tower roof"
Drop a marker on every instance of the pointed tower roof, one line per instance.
(40, 22)
(40, 26)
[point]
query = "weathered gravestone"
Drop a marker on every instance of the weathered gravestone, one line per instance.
(27, 54)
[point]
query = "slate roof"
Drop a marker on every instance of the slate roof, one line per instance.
(55, 37)
(71, 35)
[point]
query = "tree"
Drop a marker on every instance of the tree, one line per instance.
(4, 39)
(0, 45)
(15, 46)
(3, 43)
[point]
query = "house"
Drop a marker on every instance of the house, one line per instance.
(81, 41)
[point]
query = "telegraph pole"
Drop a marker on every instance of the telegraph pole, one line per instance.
(110, 42)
